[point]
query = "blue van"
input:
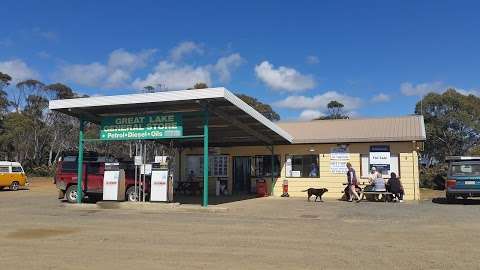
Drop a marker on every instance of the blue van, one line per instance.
(463, 177)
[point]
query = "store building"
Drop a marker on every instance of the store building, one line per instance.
(241, 146)
(318, 155)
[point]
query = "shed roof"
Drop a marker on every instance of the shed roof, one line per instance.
(405, 128)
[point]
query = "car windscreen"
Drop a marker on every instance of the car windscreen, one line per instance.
(464, 169)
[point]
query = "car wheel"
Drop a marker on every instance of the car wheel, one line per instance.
(14, 186)
(71, 194)
(131, 195)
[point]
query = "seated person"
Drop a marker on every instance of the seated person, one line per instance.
(376, 183)
(191, 176)
(313, 171)
(371, 179)
(379, 184)
(395, 187)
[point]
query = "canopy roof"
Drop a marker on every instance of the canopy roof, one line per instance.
(231, 121)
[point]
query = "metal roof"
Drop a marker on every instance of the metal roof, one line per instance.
(404, 128)
(231, 121)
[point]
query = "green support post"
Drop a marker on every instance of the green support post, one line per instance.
(273, 171)
(205, 158)
(80, 162)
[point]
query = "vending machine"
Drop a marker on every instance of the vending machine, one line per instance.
(113, 183)
(159, 184)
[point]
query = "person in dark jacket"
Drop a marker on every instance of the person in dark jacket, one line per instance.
(395, 186)
(352, 183)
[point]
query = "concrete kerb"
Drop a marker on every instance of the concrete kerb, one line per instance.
(145, 206)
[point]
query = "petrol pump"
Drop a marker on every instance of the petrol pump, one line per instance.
(113, 183)
(159, 183)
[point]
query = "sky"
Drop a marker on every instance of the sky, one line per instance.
(378, 58)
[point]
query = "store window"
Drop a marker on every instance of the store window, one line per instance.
(217, 167)
(262, 166)
(305, 166)
(393, 166)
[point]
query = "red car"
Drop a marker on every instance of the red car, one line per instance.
(92, 185)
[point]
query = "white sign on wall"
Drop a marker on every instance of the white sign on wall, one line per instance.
(338, 167)
(379, 158)
(295, 174)
(288, 166)
(339, 156)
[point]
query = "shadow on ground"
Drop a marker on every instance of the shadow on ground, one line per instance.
(213, 200)
(184, 199)
(443, 200)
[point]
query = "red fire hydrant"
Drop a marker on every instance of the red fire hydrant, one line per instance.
(285, 188)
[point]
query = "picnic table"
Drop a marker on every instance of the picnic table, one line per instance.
(373, 192)
(363, 192)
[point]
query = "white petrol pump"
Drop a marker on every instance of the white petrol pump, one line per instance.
(159, 184)
(158, 169)
(113, 182)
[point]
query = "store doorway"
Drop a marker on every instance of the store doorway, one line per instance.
(241, 175)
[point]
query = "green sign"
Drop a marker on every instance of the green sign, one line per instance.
(139, 127)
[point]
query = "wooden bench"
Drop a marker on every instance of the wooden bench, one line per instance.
(383, 193)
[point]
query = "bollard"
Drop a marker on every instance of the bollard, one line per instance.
(285, 188)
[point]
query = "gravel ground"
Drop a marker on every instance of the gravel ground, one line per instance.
(40, 232)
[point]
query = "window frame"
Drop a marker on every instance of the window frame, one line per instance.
(212, 165)
(277, 165)
(301, 175)
(21, 169)
(392, 155)
(69, 170)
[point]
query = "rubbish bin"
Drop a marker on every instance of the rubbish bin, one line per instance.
(261, 186)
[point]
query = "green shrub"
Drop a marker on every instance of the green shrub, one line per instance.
(42, 170)
(433, 177)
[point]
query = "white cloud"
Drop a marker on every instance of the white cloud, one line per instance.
(409, 89)
(468, 92)
(319, 102)
(173, 76)
(92, 75)
(18, 70)
(225, 65)
(115, 73)
(422, 89)
(117, 78)
(381, 97)
(183, 49)
(283, 78)
(121, 58)
(312, 60)
(310, 114)
(119, 70)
